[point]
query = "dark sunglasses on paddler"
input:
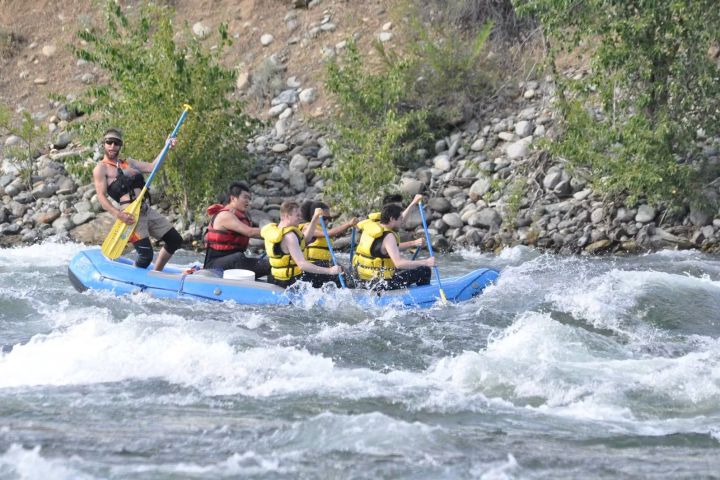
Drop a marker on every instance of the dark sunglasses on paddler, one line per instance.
(112, 141)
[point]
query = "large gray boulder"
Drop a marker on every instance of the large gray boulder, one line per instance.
(487, 217)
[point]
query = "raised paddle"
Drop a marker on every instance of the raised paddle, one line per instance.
(332, 253)
(430, 250)
(120, 233)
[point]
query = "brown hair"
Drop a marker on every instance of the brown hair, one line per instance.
(287, 207)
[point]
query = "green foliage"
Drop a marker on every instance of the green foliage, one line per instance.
(631, 157)
(151, 75)
(514, 198)
(80, 167)
(33, 137)
(496, 185)
(387, 111)
(448, 72)
(376, 133)
(652, 85)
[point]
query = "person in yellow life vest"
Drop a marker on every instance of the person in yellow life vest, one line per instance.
(316, 246)
(377, 260)
(284, 244)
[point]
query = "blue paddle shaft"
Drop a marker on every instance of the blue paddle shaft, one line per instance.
(332, 253)
(427, 239)
(352, 245)
(165, 149)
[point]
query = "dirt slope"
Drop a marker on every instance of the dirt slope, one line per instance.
(34, 34)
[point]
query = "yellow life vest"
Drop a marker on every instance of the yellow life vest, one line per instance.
(282, 265)
(368, 260)
(317, 250)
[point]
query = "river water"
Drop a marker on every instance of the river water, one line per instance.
(568, 367)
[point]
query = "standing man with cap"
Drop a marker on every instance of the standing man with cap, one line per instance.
(122, 181)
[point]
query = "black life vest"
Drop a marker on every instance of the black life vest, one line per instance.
(124, 184)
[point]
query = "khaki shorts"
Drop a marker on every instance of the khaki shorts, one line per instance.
(152, 223)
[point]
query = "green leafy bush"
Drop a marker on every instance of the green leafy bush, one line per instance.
(633, 118)
(449, 72)
(629, 157)
(151, 75)
(33, 138)
(374, 131)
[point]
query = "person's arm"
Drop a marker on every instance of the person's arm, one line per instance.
(290, 245)
(100, 182)
(391, 247)
(228, 221)
(147, 167)
(417, 199)
(418, 242)
(335, 231)
(310, 230)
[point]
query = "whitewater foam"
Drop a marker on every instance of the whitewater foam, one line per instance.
(29, 464)
(46, 255)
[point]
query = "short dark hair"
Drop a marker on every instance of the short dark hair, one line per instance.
(307, 209)
(389, 212)
(236, 189)
(392, 198)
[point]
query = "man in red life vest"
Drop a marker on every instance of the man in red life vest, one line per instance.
(229, 233)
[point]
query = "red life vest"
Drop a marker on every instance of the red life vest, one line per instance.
(225, 240)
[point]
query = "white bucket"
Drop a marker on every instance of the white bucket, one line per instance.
(239, 274)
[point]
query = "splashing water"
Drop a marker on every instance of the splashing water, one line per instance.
(567, 367)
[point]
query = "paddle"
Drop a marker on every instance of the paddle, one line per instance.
(120, 233)
(430, 250)
(332, 253)
(352, 244)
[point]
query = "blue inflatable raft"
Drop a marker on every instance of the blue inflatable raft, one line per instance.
(90, 269)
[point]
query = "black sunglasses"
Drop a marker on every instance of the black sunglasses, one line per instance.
(113, 142)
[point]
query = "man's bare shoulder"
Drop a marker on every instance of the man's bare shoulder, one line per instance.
(99, 168)
(225, 214)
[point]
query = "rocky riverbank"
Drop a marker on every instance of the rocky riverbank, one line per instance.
(487, 187)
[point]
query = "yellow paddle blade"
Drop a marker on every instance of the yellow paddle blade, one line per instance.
(120, 233)
(443, 297)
